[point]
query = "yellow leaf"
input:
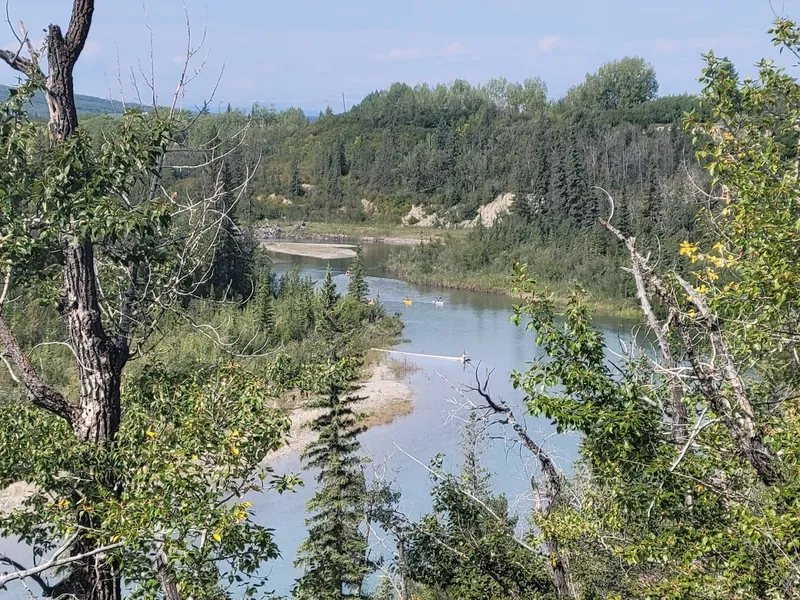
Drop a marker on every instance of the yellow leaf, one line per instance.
(217, 537)
(150, 433)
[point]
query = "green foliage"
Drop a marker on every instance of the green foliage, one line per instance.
(466, 547)
(669, 510)
(187, 440)
(618, 84)
(265, 301)
(357, 287)
(334, 554)
(327, 300)
(73, 191)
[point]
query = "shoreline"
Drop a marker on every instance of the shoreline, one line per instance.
(387, 395)
(341, 242)
(321, 251)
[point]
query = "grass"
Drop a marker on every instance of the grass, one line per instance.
(387, 413)
(376, 230)
(402, 368)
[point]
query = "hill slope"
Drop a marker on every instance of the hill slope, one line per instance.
(85, 104)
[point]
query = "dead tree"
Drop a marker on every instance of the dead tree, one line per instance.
(719, 379)
(553, 479)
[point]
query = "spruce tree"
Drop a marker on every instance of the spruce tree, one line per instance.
(580, 206)
(557, 208)
(295, 187)
(327, 299)
(266, 302)
(648, 218)
(333, 555)
(358, 288)
(235, 252)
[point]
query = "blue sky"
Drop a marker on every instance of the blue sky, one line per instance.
(308, 52)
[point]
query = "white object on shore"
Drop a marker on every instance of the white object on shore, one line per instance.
(462, 359)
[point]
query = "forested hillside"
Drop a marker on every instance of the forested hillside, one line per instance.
(450, 149)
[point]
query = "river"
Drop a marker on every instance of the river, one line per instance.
(475, 323)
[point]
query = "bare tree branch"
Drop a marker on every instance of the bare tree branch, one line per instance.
(54, 562)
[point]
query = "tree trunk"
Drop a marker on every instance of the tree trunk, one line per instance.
(99, 362)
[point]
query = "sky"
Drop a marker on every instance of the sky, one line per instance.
(307, 53)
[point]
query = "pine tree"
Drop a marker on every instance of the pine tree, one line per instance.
(580, 206)
(295, 187)
(358, 288)
(334, 554)
(557, 208)
(327, 299)
(235, 253)
(266, 302)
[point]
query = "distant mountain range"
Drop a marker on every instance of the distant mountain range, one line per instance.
(95, 105)
(84, 104)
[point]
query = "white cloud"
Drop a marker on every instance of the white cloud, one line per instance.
(455, 49)
(401, 54)
(548, 43)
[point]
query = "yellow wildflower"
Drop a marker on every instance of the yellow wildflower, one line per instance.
(688, 248)
(717, 247)
(150, 433)
(235, 451)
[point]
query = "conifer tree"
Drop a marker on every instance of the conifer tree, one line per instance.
(579, 203)
(358, 288)
(327, 299)
(235, 252)
(266, 302)
(649, 213)
(334, 554)
(295, 187)
(558, 205)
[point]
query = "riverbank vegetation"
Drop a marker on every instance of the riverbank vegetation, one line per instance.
(147, 348)
(685, 485)
(421, 162)
(148, 344)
